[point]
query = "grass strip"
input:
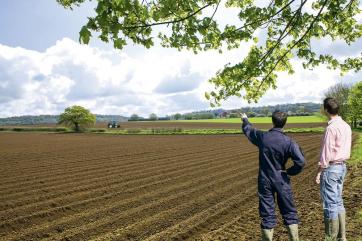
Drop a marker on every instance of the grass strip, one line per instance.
(179, 131)
(35, 129)
(356, 156)
(151, 131)
(356, 161)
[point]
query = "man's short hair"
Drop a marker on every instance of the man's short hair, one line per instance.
(279, 118)
(331, 106)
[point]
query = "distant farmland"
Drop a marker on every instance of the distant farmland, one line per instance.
(233, 123)
(262, 120)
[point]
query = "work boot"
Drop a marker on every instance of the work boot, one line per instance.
(293, 232)
(331, 229)
(342, 227)
(267, 234)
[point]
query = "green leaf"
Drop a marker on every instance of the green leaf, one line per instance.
(119, 43)
(85, 35)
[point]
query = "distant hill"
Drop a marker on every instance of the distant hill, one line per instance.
(292, 109)
(52, 119)
(298, 109)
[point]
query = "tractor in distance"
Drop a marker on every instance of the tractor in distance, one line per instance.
(113, 124)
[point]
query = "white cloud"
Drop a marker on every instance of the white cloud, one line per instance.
(163, 81)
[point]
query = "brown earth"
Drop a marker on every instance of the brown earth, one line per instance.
(95, 187)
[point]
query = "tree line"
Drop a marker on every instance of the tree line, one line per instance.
(349, 98)
(298, 109)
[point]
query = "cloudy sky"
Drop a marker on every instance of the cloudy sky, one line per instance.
(44, 69)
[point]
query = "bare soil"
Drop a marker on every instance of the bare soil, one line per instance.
(95, 187)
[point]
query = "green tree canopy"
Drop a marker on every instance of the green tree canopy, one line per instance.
(153, 117)
(177, 116)
(355, 103)
(134, 117)
(290, 27)
(77, 117)
(340, 92)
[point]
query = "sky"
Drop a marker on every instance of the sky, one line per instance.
(44, 69)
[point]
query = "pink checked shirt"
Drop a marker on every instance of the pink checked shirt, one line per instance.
(336, 146)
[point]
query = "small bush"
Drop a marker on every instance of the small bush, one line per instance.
(133, 131)
(98, 130)
(166, 130)
(61, 129)
(178, 130)
(45, 129)
(18, 129)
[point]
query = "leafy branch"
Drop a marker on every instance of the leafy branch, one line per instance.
(290, 29)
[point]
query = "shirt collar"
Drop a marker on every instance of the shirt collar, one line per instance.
(277, 129)
(337, 118)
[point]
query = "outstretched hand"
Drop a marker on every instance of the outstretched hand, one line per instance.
(243, 115)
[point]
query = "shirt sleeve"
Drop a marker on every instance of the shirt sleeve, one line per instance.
(298, 159)
(251, 133)
(326, 150)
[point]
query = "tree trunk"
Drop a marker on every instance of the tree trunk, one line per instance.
(76, 127)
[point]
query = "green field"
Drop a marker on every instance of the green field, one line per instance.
(357, 150)
(261, 120)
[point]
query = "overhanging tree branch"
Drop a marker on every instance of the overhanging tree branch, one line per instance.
(283, 35)
(289, 28)
(167, 22)
(295, 44)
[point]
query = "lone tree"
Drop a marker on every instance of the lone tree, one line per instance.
(177, 116)
(134, 117)
(77, 117)
(153, 117)
(290, 27)
(355, 104)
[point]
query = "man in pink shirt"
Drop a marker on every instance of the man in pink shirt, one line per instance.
(336, 149)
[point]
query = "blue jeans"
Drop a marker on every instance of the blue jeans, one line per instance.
(331, 189)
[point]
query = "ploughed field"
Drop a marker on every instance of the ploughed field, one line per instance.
(105, 187)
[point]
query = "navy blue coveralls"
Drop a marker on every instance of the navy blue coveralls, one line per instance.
(275, 148)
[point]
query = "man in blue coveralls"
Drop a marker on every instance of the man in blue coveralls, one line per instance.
(275, 148)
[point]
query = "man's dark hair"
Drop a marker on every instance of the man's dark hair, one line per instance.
(279, 118)
(331, 106)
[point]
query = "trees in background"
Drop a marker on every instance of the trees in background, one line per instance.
(77, 117)
(234, 115)
(153, 117)
(340, 92)
(349, 98)
(198, 116)
(287, 29)
(355, 104)
(134, 117)
(177, 116)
